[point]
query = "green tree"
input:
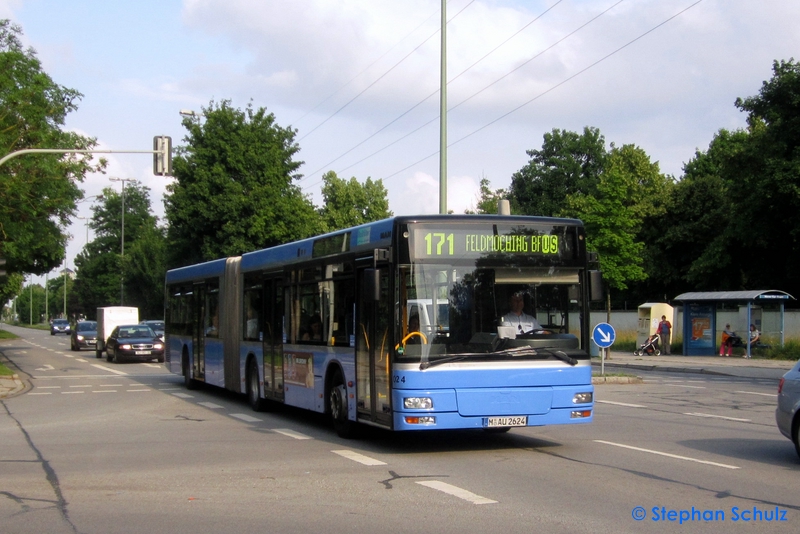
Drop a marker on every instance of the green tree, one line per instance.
(36, 293)
(487, 198)
(349, 203)
(629, 189)
(234, 187)
(568, 163)
(101, 267)
(38, 191)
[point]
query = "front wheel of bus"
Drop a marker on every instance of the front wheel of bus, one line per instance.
(337, 398)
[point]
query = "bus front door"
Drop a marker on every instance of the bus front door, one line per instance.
(373, 337)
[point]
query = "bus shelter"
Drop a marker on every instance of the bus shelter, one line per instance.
(700, 316)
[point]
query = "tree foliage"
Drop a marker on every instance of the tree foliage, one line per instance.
(568, 163)
(234, 190)
(487, 198)
(349, 203)
(38, 191)
(101, 265)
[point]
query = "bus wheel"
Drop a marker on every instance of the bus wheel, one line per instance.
(337, 398)
(253, 398)
(188, 381)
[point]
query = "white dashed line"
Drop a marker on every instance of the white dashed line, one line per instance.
(184, 395)
(456, 492)
(357, 457)
(620, 404)
(104, 391)
(110, 370)
(291, 433)
(135, 390)
(666, 454)
(685, 386)
(206, 404)
(756, 393)
(246, 418)
(718, 417)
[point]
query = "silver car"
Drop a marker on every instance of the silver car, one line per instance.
(788, 412)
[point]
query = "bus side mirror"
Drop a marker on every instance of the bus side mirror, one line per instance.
(595, 286)
(372, 285)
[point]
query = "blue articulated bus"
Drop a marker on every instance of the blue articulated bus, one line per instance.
(405, 324)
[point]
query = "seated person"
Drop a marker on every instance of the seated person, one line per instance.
(728, 337)
(413, 326)
(517, 317)
(314, 330)
(755, 335)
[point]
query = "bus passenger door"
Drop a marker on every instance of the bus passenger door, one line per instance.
(373, 337)
(273, 338)
(198, 332)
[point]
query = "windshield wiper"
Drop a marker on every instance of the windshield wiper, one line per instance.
(514, 352)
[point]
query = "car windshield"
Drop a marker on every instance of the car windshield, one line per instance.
(135, 331)
(87, 326)
(60, 322)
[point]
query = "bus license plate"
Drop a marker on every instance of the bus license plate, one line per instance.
(507, 421)
(142, 352)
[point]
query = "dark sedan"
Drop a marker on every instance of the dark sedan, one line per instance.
(59, 326)
(134, 342)
(157, 326)
(84, 335)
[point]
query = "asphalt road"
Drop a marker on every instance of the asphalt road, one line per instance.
(96, 447)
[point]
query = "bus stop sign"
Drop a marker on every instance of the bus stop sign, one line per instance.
(603, 335)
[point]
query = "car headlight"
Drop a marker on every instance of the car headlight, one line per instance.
(125, 347)
(418, 403)
(79, 337)
(158, 346)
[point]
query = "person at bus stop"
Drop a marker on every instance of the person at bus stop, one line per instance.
(664, 330)
(517, 317)
(728, 336)
(755, 335)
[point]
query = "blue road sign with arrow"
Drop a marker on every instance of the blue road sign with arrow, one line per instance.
(603, 335)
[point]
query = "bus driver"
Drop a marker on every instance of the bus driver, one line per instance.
(517, 317)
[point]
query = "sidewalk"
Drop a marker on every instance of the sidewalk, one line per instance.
(10, 386)
(714, 365)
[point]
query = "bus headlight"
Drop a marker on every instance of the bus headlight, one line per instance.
(582, 398)
(418, 403)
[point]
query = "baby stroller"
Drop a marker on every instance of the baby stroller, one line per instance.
(649, 347)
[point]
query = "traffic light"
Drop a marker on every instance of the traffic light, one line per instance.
(162, 156)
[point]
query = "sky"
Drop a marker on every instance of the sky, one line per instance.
(359, 80)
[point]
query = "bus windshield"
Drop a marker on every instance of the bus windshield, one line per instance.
(477, 311)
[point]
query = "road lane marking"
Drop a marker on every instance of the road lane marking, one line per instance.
(685, 386)
(168, 389)
(151, 365)
(717, 417)
(668, 455)
(110, 385)
(104, 391)
(80, 360)
(455, 491)
(48, 387)
(184, 395)
(621, 404)
(71, 392)
(246, 418)
(757, 393)
(291, 433)
(46, 367)
(104, 368)
(68, 355)
(47, 393)
(82, 386)
(357, 457)
(206, 404)
(135, 390)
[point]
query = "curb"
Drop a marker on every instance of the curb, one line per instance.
(18, 387)
(641, 367)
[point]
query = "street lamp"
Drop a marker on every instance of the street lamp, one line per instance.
(122, 253)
